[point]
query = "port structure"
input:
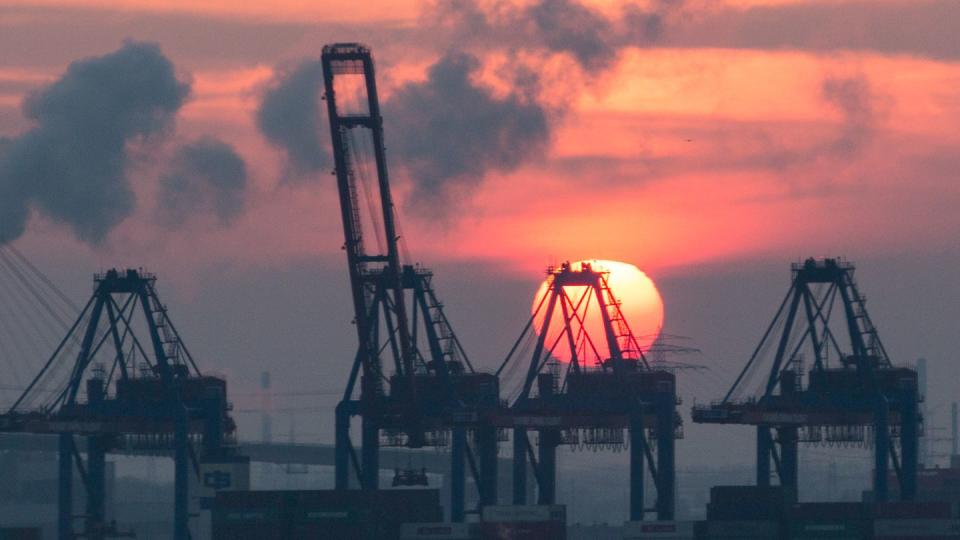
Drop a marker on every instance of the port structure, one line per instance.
(417, 387)
(852, 395)
(143, 391)
(606, 396)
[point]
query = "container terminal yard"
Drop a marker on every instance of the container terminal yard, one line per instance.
(427, 445)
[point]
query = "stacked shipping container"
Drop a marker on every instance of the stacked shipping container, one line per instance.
(523, 523)
(329, 514)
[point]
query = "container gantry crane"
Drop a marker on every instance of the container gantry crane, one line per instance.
(433, 396)
(608, 387)
(852, 393)
(143, 391)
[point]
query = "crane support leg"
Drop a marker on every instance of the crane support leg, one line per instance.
(665, 403)
(342, 447)
(487, 449)
(458, 450)
(789, 461)
(764, 444)
(65, 493)
(787, 436)
(520, 443)
(369, 454)
(96, 488)
(637, 444)
(180, 476)
(213, 419)
(881, 451)
(909, 446)
(547, 450)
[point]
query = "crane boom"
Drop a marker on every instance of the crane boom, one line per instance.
(434, 396)
(366, 270)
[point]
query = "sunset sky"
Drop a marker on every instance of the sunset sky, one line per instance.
(710, 143)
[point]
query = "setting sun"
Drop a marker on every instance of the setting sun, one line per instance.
(641, 306)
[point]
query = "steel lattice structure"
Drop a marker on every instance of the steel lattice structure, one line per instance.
(416, 385)
(142, 390)
(852, 393)
(593, 404)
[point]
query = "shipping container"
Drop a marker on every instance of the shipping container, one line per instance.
(746, 503)
(746, 493)
(523, 530)
(594, 531)
(440, 531)
(754, 530)
(889, 529)
(524, 513)
(916, 510)
(832, 511)
(20, 533)
(825, 529)
(329, 514)
(658, 530)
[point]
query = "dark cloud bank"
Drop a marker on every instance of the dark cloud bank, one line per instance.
(290, 118)
(74, 166)
(447, 132)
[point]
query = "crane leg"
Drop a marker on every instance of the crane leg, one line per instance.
(65, 494)
(458, 451)
(637, 457)
(764, 444)
(789, 461)
(520, 442)
(342, 447)
(370, 454)
(909, 442)
(96, 492)
(881, 452)
(547, 451)
(665, 403)
(180, 477)
(487, 448)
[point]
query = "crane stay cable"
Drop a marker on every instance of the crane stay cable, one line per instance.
(360, 161)
(43, 297)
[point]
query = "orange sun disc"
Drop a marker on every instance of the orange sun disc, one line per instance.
(641, 306)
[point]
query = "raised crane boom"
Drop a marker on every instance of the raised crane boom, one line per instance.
(433, 396)
(365, 269)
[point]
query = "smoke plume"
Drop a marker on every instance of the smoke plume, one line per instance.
(446, 132)
(852, 97)
(72, 165)
(207, 176)
(290, 118)
(568, 26)
(449, 131)
(592, 38)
